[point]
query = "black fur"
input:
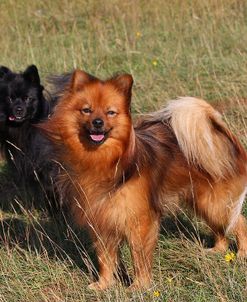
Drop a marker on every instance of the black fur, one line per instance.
(27, 152)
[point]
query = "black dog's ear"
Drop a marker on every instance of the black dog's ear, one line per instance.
(3, 71)
(31, 74)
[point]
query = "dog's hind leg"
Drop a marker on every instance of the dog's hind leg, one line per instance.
(240, 231)
(220, 206)
(221, 243)
(238, 224)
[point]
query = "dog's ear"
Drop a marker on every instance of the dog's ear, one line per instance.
(31, 74)
(3, 71)
(79, 79)
(124, 84)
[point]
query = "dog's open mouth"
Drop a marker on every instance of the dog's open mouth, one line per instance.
(98, 137)
(14, 118)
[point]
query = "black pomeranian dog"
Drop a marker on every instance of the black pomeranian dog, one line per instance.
(27, 152)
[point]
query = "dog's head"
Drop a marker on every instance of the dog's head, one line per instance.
(20, 95)
(103, 106)
(96, 111)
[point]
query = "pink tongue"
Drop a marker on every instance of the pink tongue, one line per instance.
(97, 137)
(11, 118)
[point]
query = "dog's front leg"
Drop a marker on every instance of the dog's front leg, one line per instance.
(142, 240)
(107, 253)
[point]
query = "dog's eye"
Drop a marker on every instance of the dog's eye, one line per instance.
(86, 111)
(28, 99)
(9, 99)
(111, 113)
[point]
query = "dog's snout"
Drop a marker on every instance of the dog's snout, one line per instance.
(19, 109)
(98, 123)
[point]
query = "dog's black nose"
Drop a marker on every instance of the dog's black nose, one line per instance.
(98, 123)
(19, 109)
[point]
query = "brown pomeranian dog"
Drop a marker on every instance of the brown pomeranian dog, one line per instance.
(120, 177)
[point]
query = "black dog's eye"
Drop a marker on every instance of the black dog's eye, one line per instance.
(28, 99)
(86, 111)
(9, 99)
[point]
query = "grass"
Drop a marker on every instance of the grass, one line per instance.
(172, 48)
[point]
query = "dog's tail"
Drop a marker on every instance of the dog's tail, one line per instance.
(203, 137)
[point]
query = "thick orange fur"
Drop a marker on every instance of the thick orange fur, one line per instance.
(120, 188)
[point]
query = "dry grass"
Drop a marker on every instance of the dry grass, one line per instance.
(172, 48)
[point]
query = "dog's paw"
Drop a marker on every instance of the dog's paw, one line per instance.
(216, 249)
(139, 285)
(100, 285)
(97, 286)
(212, 250)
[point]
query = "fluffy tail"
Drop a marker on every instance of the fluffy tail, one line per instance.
(203, 137)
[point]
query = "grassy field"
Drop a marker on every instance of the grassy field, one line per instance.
(172, 48)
